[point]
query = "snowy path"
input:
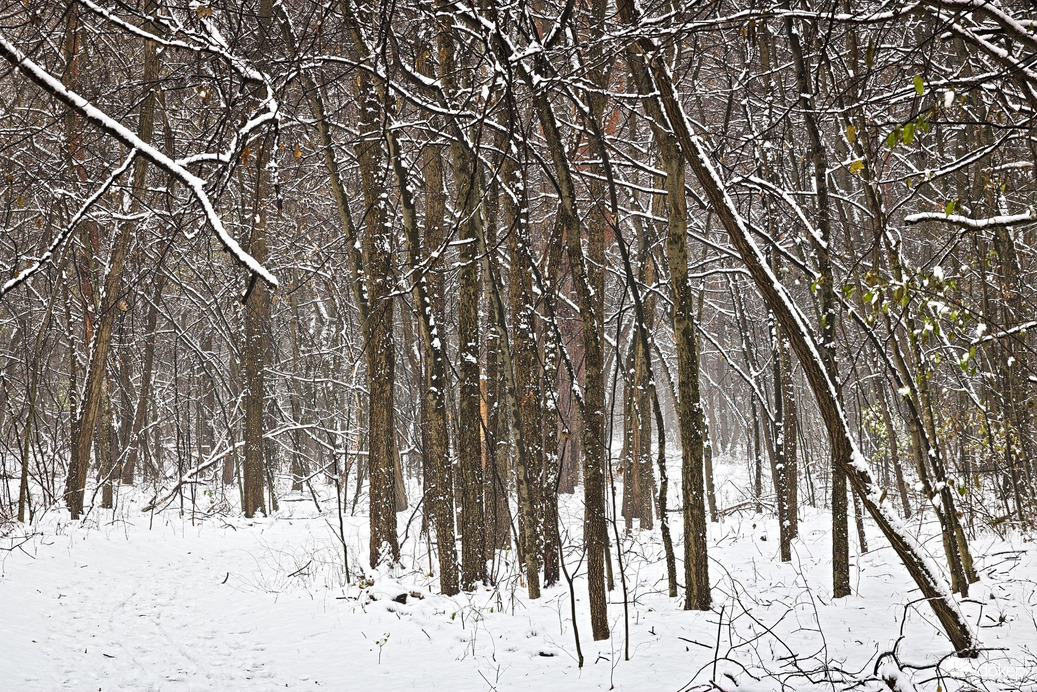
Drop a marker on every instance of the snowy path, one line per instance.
(139, 610)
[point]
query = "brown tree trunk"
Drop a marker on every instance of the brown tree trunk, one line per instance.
(554, 449)
(380, 347)
(106, 446)
(691, 421)
(826, 290)
(257, 315)
(791, 430)
(137, 439)
(524, 347)
(495, 449)
(689, 405)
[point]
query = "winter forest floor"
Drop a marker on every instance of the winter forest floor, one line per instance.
(133, 601)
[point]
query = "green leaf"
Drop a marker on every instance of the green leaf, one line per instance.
(894, 136)
(919, 85)
(948, 209)
(909, 133)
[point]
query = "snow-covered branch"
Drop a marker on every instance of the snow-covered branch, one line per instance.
(52, 85)
(65, 233)
(973, 224)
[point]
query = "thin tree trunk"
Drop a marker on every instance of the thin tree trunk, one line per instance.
(894, 453)
(691, 421)
(779, 458)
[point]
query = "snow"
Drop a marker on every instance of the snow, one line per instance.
(131, 601)
(975, 224)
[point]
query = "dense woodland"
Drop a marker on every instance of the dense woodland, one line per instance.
(459, 259)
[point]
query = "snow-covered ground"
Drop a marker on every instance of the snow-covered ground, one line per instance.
(134, 601)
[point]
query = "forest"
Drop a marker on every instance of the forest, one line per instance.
(582, 344)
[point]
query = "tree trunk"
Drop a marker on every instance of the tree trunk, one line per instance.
(894, 453)
(779, 459)
(689, 405)
(588, 276)
(257, 315)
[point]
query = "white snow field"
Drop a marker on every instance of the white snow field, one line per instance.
(128, 600)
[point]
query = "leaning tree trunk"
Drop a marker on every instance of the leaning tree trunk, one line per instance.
(90, 404)
(844, 449)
